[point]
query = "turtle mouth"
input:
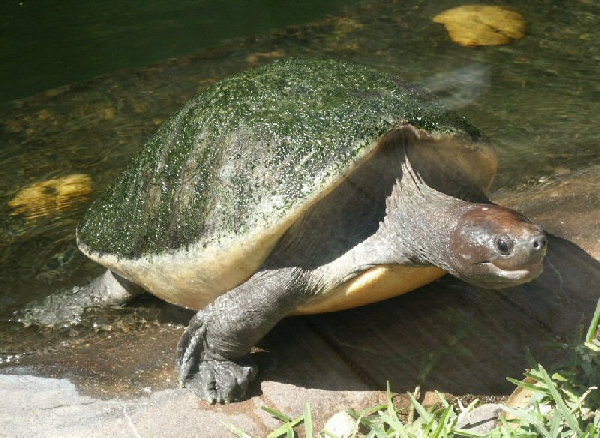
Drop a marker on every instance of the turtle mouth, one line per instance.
(522, 272)
(511, 276)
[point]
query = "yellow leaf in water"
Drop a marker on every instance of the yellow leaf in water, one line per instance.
(478, 25)
(52, 196)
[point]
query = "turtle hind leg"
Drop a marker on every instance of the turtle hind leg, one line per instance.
(67, 306)
(213, 352)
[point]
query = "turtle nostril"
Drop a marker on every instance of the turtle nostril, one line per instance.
(540, 243)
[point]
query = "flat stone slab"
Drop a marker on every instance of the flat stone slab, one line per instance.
(47, 407)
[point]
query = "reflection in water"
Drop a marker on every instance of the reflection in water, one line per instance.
(534, 98)
(51, 197)
(459, 88)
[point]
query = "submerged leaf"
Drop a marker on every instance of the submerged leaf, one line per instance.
(478, 25)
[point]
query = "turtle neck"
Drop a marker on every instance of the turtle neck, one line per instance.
(419, 221)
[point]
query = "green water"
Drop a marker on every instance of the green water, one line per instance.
(47, 44)
(537, 100)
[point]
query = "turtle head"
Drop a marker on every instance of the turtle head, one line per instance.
(495, 247)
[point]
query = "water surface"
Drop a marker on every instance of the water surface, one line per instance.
(47, 44)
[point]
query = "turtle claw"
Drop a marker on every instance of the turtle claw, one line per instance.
(210, 377)
(221, 381)
(190, 347)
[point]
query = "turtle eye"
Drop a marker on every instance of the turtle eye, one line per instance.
(504, 245)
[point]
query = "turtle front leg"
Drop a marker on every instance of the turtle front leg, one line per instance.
(212, 354)
(206, 373)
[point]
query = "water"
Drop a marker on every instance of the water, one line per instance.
(538, 105)
(48, 44)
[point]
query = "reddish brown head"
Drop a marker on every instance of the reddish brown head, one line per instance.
(494, 247)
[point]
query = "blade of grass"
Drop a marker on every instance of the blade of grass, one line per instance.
(395, 423)
(235, 430)
(277, 414)
(411, 412)
(594, 324)
(377, 432)
(362, 416)
(370, 426)
(524, 385)
(472, 405)
(420, 409)
(287, 428)
(527, 417)
(307, 421)
(530, 359)
(442, 399)
(442, 423)
(560, 404)
(555, 425)
(391, 410)
(390, 402)
(365, 412)
(468, 433)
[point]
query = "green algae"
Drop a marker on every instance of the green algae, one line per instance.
(245, 151)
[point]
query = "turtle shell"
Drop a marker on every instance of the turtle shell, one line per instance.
(203, 204)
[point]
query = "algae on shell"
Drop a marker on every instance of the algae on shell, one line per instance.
(249, 150)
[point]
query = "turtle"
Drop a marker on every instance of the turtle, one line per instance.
(302, 186)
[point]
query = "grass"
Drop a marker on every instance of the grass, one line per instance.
(564, 402)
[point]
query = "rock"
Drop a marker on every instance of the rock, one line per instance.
(482, 419)
(341, 425)
(42, 407)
